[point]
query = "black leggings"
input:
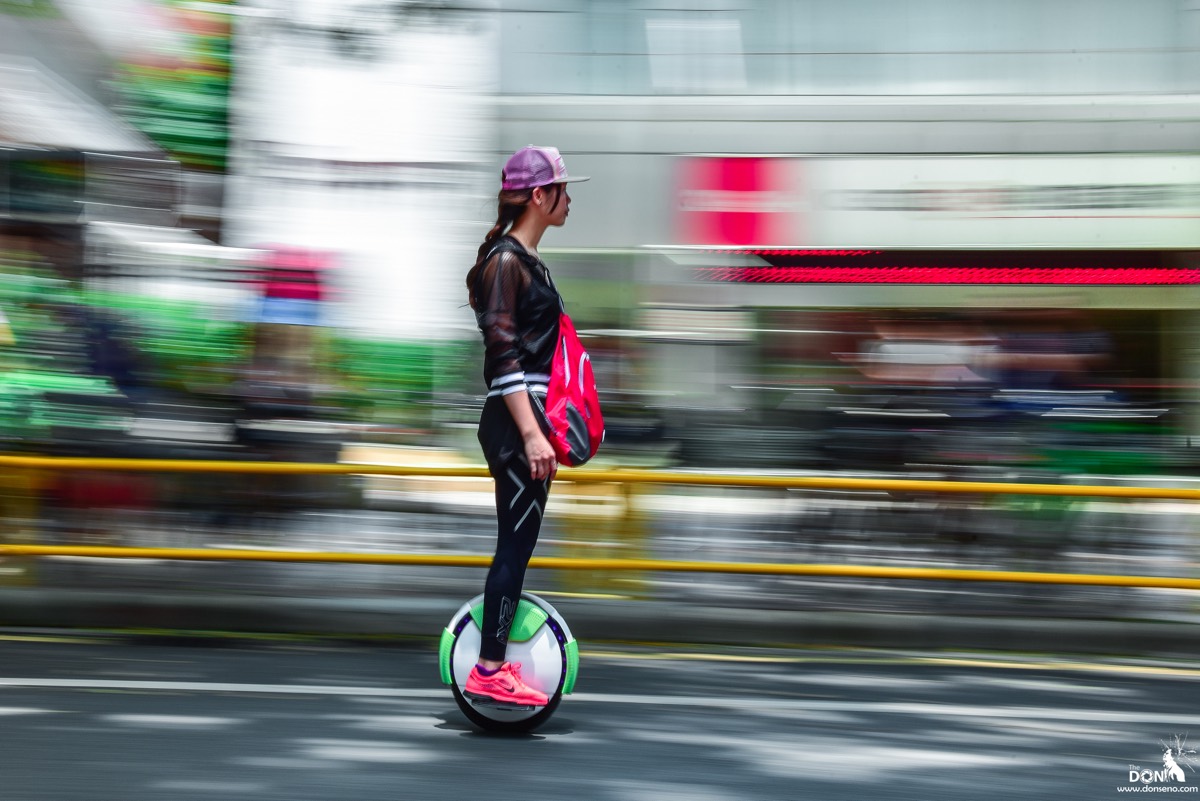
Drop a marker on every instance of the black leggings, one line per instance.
(520, 503)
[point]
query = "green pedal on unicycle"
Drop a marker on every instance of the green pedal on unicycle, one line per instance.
(539, 640)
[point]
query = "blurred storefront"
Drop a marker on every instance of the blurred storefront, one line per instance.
(66, 161)
(775, 272)
(163, 66)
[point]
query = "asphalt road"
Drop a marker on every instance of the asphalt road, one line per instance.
(108, 718)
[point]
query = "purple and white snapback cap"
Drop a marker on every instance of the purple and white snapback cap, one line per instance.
(534, 166)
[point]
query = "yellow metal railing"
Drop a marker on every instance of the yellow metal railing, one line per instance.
(643, 565)
(613, 476)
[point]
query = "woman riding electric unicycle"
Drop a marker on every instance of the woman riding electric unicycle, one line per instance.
(507, 655)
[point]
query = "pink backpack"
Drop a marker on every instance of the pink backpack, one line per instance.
(571, 416)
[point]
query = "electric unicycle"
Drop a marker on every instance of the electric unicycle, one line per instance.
(539, 639)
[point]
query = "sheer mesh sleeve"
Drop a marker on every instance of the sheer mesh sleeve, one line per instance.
(499, 287)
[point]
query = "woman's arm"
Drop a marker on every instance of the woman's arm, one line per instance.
(501, 285)
(542, 462)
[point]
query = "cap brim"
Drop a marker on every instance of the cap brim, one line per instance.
(573, 179)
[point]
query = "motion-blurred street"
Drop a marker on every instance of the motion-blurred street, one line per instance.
(95, 717)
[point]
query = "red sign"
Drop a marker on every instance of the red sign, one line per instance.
(1046, 267)
(739, 200)
(1065, 276)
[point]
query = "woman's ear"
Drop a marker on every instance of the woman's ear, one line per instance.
(546, 197)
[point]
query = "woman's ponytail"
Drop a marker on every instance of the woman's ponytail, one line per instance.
(511, 205)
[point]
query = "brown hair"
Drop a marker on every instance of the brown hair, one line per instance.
(511, 205)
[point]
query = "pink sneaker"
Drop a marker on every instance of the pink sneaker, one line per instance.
(503, 687)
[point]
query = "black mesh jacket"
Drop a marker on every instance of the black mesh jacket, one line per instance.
(516, 309)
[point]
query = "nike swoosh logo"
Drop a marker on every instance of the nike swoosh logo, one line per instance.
(508, 688)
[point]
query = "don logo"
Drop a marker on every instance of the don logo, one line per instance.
(1175, 757)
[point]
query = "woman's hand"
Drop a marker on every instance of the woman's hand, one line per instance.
(538, 451)
(542, 462)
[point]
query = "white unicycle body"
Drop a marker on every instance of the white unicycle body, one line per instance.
(539, 640)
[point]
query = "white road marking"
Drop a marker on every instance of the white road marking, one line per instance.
(892, 707)
(204, 786)
(367, 751)
(220, 687)
(757, 705)
(172, 721)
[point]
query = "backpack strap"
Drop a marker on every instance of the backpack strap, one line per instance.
(506, 245)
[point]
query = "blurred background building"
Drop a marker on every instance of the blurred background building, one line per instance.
(778, 181)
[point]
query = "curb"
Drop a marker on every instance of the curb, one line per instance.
(594, 620)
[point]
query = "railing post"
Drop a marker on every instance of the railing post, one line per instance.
(635, 537)
(588, 533)
(603, 520)
(20, 491)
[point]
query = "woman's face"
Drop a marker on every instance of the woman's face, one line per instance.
(553, 203)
